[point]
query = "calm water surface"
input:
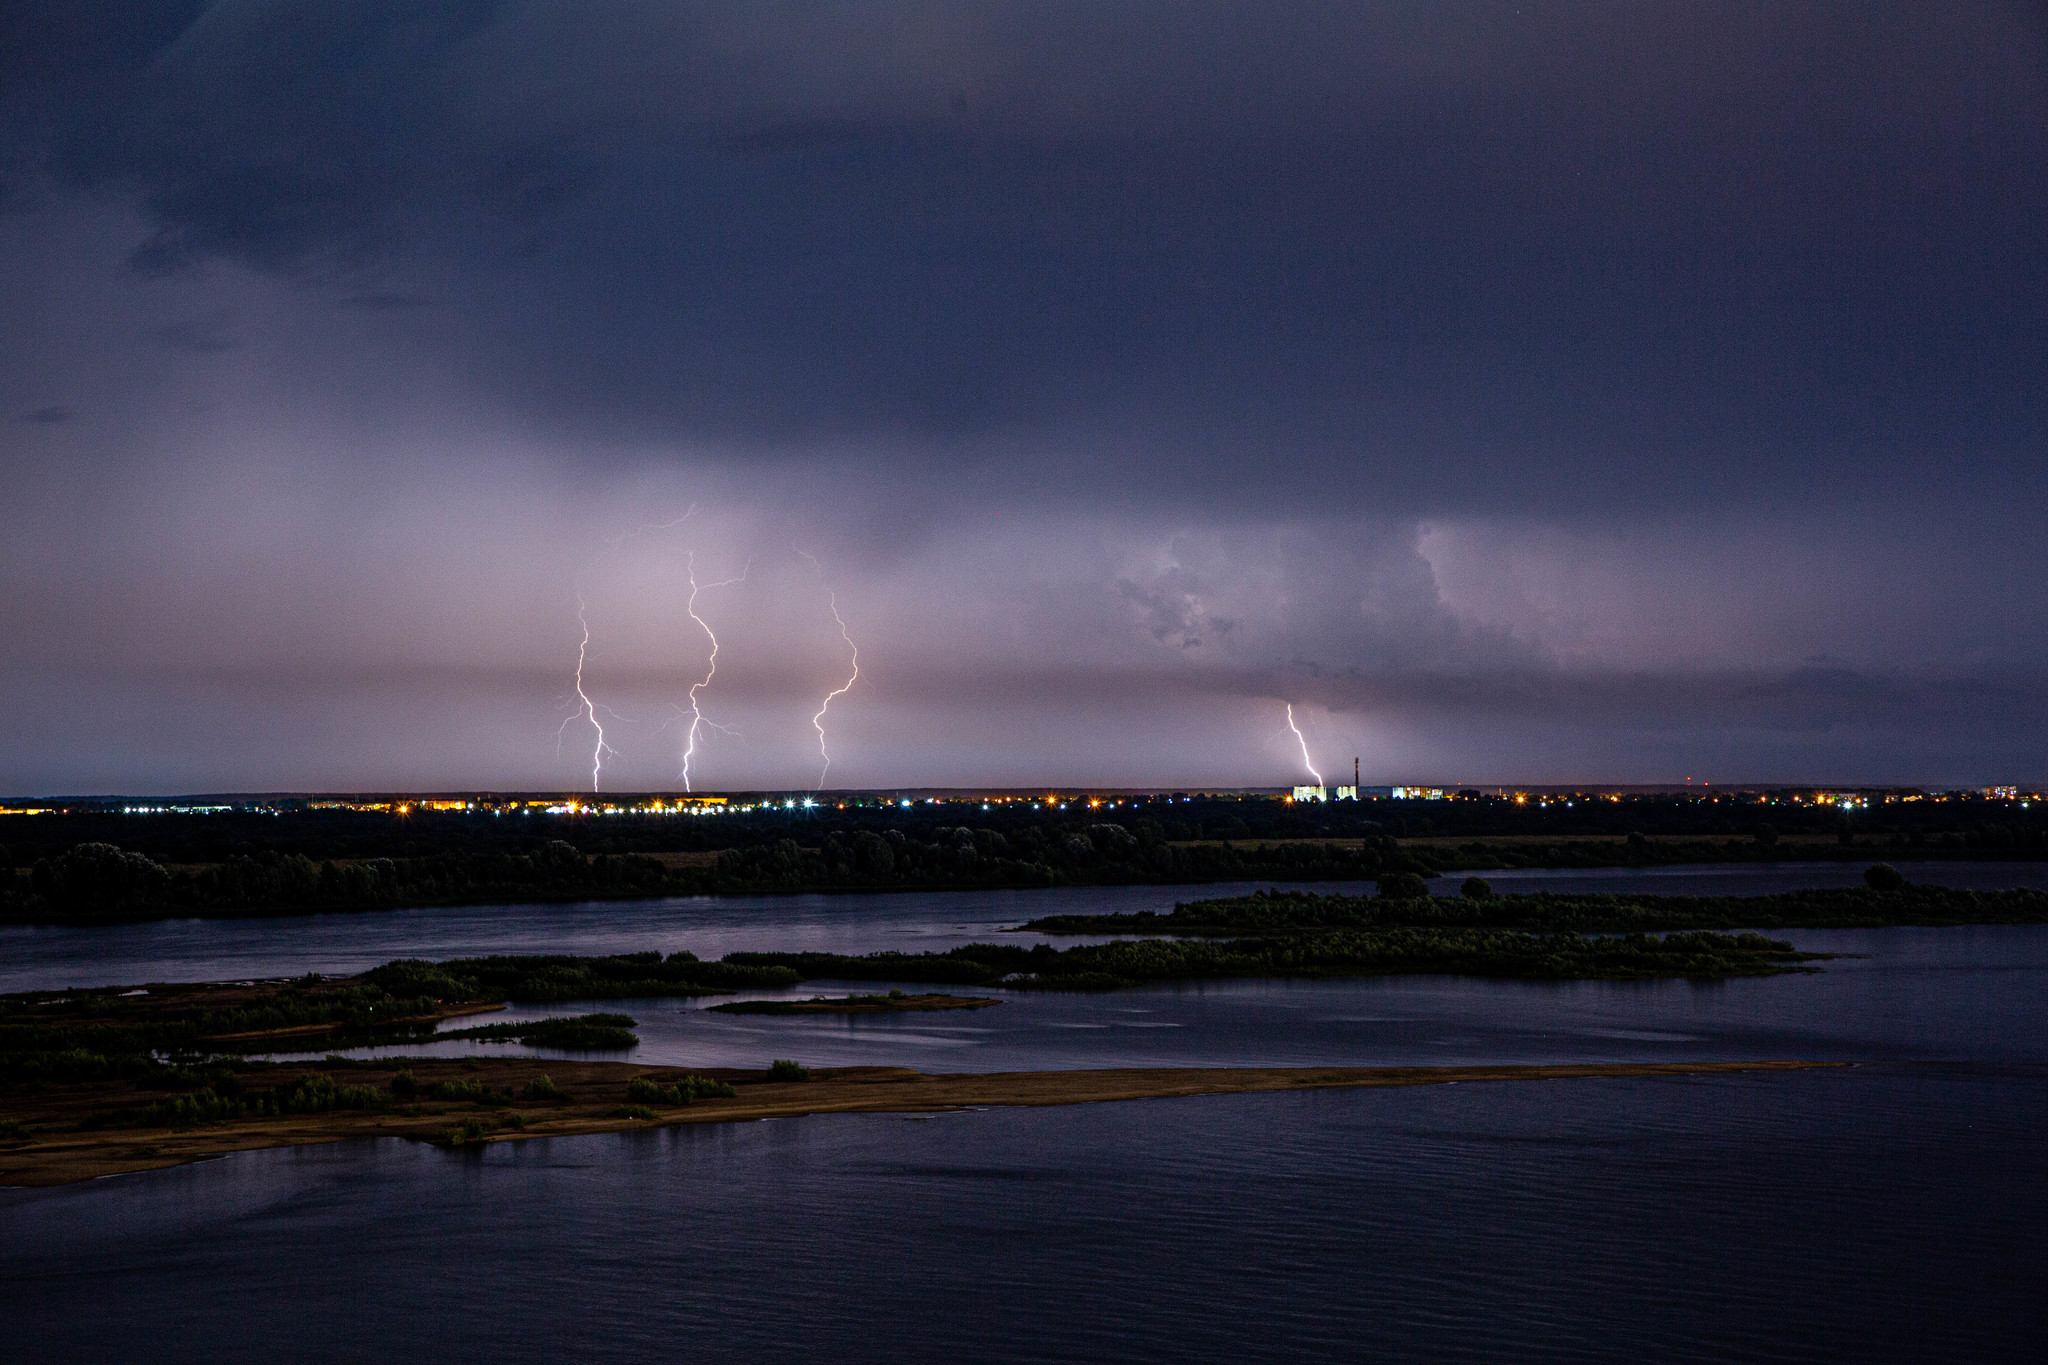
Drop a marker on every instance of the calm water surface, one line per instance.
(1884, 1214)
(1891, 1211)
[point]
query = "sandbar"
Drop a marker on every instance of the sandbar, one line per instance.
(58, 1151)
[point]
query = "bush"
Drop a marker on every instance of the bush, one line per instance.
(543, 1089)
(176, 1112)
(470, 1132)
(93, 877)
(1112, 841)
(320, 1095)
(647, 1090)
(13, 1130)
(1884, 877)
(633, 1111)
(403, 1086)
(1402, 886)
(782, 1069)
(456, 1090)
(1476, 889)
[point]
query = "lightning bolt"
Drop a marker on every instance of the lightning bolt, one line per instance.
(818, 721)
(1304, 745)
(711, 666)
(588, 708)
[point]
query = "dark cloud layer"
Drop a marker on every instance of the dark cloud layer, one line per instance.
(1554, 361)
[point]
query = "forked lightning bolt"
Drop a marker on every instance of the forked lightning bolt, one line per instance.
(711, 666)
(587, 708)
(1304, 745)
(818, 721)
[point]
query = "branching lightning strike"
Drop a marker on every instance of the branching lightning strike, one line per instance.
(1300, 739)
(587, 708)
(711, 667)
(818, 720)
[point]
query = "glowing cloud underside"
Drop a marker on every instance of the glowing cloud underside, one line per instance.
(1299, 739)
(818, 720)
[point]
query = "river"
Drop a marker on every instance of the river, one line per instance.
(1890, 1211)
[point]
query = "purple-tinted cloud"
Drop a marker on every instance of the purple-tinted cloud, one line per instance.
(1521, 391)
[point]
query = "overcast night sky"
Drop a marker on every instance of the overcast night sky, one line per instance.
(1526, 392)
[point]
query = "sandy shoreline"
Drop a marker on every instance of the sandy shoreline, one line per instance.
(58, 1152)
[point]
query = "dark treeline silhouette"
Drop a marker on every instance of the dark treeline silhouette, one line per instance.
(1883, 902)
(103, 864)
(576, 1033)
(1448, 951)
(100, 881)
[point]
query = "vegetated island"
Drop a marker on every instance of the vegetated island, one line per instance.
(175, 1037)
(103, 1080)
(184, 1055)
(58, 1134)
(895, 1002)
(1405, 903)
(1504, 953)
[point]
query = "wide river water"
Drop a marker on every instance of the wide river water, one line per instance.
(1895, 1210)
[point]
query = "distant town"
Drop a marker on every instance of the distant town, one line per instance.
(1099, 799)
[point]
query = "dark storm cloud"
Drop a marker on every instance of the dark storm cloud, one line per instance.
(385, 302)
(209, 336)
(1522, 389)
(1707, 247)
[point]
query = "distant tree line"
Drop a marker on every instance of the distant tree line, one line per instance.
(1450, 951)
(99, 880)
(1886, 899)
(307, 861)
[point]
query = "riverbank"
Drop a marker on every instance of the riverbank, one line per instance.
(593, 1097)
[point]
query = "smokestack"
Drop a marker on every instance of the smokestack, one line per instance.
(1354, 772)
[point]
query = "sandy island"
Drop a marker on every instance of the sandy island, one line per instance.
(58, 1152)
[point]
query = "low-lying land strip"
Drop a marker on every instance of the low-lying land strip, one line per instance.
(170, 1035)
(1505, 953)
(1300, 912)
(58, 1134)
